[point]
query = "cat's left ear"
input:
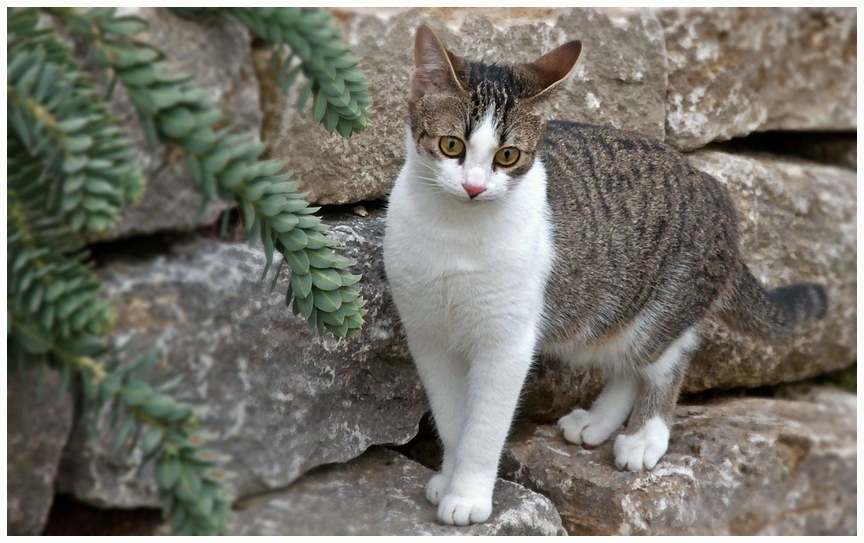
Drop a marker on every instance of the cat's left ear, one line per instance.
(539, 78)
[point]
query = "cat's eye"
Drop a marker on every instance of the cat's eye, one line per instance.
(507, 156)
(451, 146)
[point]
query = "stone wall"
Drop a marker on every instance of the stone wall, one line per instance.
(305, 417)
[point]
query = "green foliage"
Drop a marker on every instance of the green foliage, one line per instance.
(68, 172)
(223, 164)
(847, 378)
(337, 86)
(189, 476)
(71, 169)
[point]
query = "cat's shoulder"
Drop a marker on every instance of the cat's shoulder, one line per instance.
(570, 132)
(605, 149)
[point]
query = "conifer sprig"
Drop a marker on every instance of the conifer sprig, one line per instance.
(69, 171)
(227, 165)
(307, 41)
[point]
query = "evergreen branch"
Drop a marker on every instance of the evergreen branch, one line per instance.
(70, 170)
(53, 298)
(88, 166)
(227, 165)
(340, 99)
(190, 478)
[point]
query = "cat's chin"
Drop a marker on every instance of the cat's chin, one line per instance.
(478, 200)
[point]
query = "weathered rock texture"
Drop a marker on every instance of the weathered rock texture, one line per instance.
(382, 493)
(218, 53)
(798, 223)
(738, 467)
(733, 71)
(620, 80)
(38, 420)
(281, 398)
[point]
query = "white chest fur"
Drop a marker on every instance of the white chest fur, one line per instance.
(455, 266)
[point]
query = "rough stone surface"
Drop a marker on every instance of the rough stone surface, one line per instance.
(620, 80)
(281, 398)
(798, 223)
(749, 466)
(38, 422)
(382, 493)
(218, 53)
(733, 71)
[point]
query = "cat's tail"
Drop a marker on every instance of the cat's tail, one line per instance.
(751, 309)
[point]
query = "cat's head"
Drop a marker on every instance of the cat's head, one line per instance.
(474, 125)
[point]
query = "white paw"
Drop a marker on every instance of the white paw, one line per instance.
(586, 428)
(642, 450)
(436, 487)
(462, 511)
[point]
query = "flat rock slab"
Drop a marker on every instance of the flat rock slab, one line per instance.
(750, 466)
(734, 71)
(281, 398)
(382, 493)
(620, 80)
(39, 419)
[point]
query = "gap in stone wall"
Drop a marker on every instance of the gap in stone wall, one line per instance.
(830, 148)
(69, 516)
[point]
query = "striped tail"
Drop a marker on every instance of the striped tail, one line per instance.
(773, 313)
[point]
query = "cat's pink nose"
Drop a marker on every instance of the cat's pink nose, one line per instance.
(473, 190)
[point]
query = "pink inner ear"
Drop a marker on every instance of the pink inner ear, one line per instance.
(434, 65)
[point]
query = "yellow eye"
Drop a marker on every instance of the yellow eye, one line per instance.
(451, 146)
(507, 156)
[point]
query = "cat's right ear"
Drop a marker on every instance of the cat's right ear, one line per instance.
(434, 66)
(546, 73)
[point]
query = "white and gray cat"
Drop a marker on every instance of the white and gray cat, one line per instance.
(507, 236)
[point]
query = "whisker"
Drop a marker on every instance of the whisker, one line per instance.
(428, 166)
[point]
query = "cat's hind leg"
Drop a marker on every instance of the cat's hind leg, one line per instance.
(646, 437)
(608, 412)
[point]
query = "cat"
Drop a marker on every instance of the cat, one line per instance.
(507, 237)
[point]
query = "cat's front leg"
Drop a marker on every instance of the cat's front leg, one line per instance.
(445, 381)
(495, 379)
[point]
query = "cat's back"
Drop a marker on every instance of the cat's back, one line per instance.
(632, 220)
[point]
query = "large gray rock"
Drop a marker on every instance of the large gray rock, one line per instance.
(382, 493)
(737, 467)
(280, 398)
(798, 223)
(38, 419)
(734, 71)
(620, 80)
(218, 53)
